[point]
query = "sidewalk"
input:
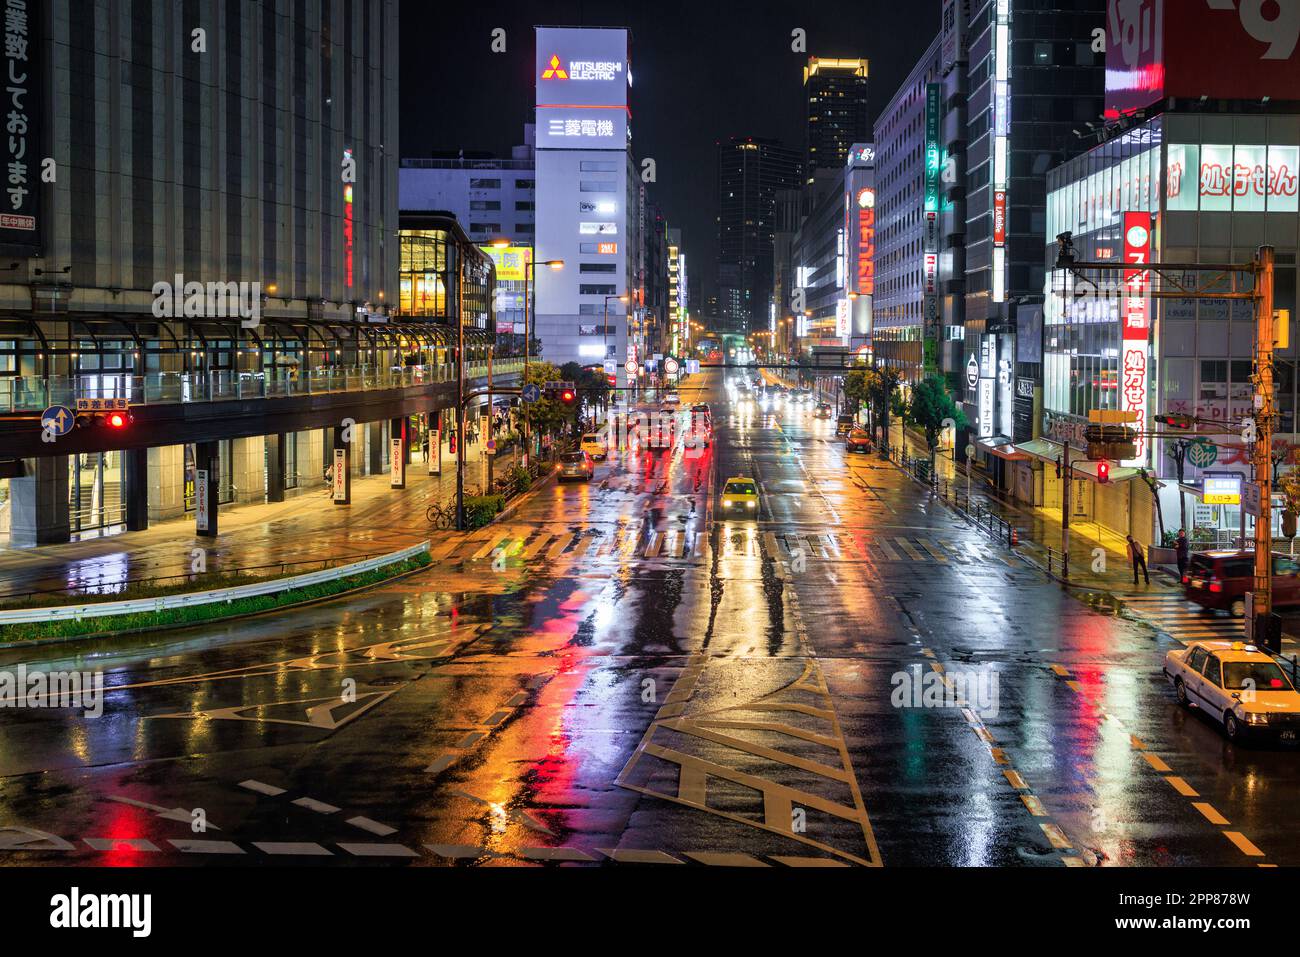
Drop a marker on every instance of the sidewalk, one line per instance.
(304, 528)
(1039, 529)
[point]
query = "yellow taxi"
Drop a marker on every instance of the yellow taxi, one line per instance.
(740, 497)
(1238, 685)
(593, 443)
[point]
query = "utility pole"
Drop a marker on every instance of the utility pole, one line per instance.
(1264, 412)
(1065, 511)
(460, 406)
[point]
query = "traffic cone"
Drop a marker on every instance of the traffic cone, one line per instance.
(1015, 536)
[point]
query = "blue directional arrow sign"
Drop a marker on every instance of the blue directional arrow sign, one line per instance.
(530, 393)
(58, 419)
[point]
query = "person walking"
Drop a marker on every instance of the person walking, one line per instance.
(1181, 550)
(1139, 561)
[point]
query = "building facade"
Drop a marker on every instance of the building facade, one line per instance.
(751, 170)
(588, 196)
(837, 114)
(217, 221)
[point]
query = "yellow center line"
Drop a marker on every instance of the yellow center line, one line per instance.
(1211, 815)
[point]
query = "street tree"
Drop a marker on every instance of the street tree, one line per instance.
(930, 404)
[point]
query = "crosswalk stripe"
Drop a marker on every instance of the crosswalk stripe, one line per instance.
(542, 540)
(443, 549)
(885, 547)
(679, 544)
(907, 547)
(769, 541)
(701, 543)
(929, 547)
(562, 542)
(655, 544)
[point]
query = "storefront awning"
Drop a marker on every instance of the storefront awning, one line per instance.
(1082, 468)
(1002, 447)
(1041, 449)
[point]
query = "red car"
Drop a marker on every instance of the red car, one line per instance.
(859, 440)
(1221, 579)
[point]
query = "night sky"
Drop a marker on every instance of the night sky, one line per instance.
(701, 72)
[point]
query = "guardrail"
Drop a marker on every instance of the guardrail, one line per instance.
(191, 599)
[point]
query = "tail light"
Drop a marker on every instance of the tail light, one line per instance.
(1216, 587)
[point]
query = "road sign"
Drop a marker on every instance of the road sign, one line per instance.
(970, 450)
(670, 366)
(1250, 498)
(631, 366)
(692, 366)
(491, 446)
(530, 393)
(58, 419)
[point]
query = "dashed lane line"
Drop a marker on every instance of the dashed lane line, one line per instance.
(1161, 767)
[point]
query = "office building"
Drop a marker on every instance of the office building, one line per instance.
(836, 117)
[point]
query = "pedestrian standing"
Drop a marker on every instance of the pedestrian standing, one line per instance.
(1139, 561)
(1181, 549)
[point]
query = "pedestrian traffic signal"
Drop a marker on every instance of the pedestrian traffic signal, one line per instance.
(1103, 472)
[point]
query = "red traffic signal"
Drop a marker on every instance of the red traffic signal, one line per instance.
(1176, 421)
(117, 420)
(1103, 472)
(567, 396)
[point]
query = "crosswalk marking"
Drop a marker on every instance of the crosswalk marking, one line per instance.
(655, 544)
(885, 547)
(542, 540)
(929, 547)
(1182, 620)
(907, 547)
(679, 544)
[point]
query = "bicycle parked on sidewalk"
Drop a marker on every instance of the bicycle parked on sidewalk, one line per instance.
(441, 516)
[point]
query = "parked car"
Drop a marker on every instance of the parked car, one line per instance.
(859, 440)
(844, 424)
(575, 465)
(1237, 685)
(1220, 580)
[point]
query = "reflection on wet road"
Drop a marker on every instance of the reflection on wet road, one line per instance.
(619, 672)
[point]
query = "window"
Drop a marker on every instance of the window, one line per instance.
(587, 289)
(1196, 660)
(485, 227)
(524, 204)
(485, 184)
(598, 267)
(525, 184)
(484, 204)
(598, 166)
(1214, 671)
(597, 185)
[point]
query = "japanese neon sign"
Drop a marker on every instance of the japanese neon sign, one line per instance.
(1135, 318)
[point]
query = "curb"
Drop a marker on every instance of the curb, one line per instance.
(65, 639)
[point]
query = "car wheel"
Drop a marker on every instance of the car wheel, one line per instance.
(1238, 608)
(1231, 726)
(1181, 691)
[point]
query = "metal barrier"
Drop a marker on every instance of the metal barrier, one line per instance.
(192, 599)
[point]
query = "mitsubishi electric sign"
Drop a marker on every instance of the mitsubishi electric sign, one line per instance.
(582, 67)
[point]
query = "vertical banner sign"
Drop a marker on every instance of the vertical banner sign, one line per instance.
(988, 372)
(933, 164)
(999, 217)
(435, 452)
(340, 493)
(397, 464)
(20, 213)
(866, 242)
(1135, 316)
(202, 515)
(1001, 131)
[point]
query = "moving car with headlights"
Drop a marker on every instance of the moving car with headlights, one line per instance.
(858, 440)
(672, 398)
(1238, 685)
(740, 497)
(1220, 580)
(593, 443)
(575, 465)
(823, 411)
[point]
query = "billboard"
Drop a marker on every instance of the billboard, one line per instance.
(581, 128)
(581, 67)
(20, 209)
(1135, 318)
(1223, 49)
(511, 261)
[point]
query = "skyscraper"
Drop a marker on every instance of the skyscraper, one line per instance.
(837, 117)
(750, 171)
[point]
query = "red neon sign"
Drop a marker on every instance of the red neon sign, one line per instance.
(999, 218)
(347, 232)
(1136, 322)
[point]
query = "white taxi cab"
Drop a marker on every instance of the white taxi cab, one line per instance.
(1240, 686)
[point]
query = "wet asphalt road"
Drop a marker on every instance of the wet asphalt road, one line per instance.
(618, 672)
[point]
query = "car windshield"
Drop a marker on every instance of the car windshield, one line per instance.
(1254, 676)
(570, 457)
(741, 488)
(845, 419)
(593, 437)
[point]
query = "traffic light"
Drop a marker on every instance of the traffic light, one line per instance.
(1176, 421)
(568, 396)
(117, 419)
(1103, 472)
